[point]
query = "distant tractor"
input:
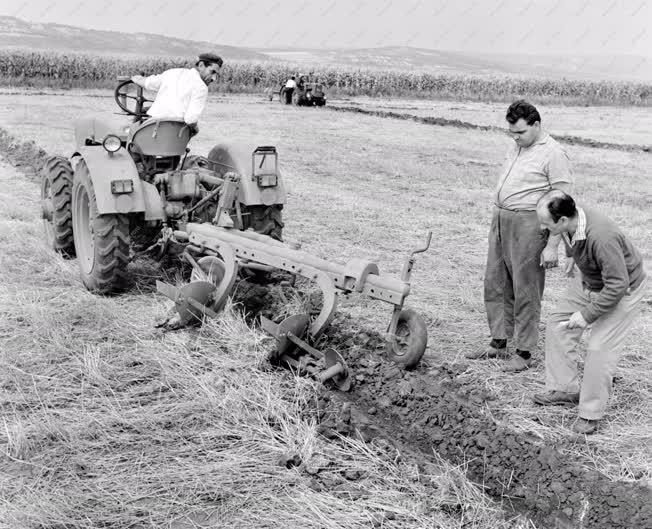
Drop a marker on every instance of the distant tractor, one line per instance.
(308, 92)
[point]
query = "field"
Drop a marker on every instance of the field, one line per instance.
(620, 125)
(78, 70)
(108, 423)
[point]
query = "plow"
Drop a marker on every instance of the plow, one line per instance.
(222, 214)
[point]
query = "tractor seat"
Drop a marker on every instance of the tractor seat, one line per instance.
(161, 137)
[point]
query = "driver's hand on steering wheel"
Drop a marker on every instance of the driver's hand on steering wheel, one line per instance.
(139, 80)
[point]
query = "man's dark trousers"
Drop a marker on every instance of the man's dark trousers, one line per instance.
(514, 278)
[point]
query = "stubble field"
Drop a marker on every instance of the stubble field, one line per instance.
(359, 186)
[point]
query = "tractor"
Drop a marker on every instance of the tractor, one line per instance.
(133, 177)
(308, 92)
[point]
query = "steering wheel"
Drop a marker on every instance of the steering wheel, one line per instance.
(121, 95)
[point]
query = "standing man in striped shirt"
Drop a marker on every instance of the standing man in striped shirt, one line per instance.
(519, 250)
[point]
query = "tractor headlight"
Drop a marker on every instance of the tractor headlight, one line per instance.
(112, 143)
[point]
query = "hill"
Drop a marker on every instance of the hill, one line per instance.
(17, 33)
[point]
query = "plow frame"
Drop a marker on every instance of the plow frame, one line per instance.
(246, 248)
(295, 336)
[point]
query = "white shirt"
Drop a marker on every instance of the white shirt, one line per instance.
(291, 84)
(580, 232)
(181, 94)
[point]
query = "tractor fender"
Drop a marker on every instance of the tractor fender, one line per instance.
(104, 168)
(228, 157)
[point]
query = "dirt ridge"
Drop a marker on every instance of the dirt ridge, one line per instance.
(444, 122)
(438, 408)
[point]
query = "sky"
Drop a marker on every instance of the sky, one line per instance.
(596, 27)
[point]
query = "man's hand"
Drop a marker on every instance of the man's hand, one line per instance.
(569, 269)
(549, 257)
(576, 321)
(194, 129)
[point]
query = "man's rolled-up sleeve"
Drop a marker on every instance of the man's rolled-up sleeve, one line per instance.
(153, 82)
(196, 104)
(560, 174)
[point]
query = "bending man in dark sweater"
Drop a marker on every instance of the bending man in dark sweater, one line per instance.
(607, 297)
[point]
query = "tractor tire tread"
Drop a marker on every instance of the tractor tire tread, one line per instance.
(267, 220)
(60, 173)
(111, 245)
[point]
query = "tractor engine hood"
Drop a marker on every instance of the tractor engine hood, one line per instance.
(93, 129)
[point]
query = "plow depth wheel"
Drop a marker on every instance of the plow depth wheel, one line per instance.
(411, 339)
(56, 195)
(101, 241)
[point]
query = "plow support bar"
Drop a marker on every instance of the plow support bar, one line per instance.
(357, 275)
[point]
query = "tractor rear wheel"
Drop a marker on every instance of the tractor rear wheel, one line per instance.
(266, 220)
(411, 339)
(101, 241)
(56, 193)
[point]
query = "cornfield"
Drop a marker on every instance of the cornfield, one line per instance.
(30, 68)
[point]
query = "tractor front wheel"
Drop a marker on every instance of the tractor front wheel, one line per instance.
(101, 241)
(409, 343)
(56, 193)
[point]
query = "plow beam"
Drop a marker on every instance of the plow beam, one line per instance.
(357, 275)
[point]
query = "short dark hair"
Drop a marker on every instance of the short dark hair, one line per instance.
(522, 109)
(559, 204)
(208, 59)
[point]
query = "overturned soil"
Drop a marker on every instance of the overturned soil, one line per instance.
(439, 408)
(434, 408)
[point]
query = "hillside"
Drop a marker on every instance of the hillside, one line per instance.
(17, 33)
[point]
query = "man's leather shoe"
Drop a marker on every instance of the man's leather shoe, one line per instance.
(585, 426)
(488, 352)
(517, 363)
(554, 398)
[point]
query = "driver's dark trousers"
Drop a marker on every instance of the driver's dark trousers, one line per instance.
(287, 94)
(514, 278)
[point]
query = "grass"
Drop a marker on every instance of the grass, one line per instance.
(359, 186)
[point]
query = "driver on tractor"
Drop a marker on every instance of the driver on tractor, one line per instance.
(182, 92)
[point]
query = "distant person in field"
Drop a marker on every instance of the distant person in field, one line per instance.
(519, 250)
(182, 92)
(301, 82)
(607, 297)
(289, 88)
(291, 84)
